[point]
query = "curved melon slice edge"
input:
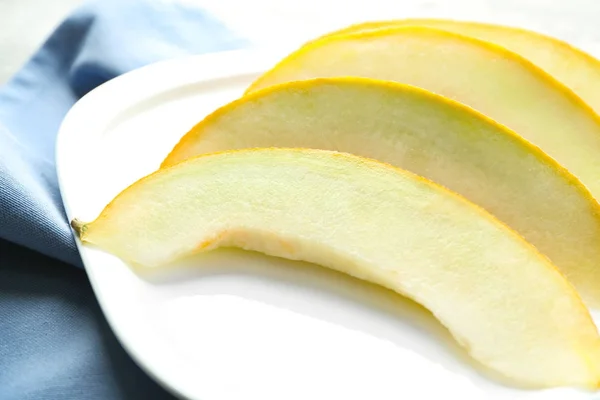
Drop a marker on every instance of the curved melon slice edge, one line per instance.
(503, 301)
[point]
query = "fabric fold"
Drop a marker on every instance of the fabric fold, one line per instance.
(54, 341)
(100, 40)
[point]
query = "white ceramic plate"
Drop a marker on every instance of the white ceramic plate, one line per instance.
(233, 325)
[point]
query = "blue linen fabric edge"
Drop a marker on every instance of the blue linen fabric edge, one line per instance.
(54, 341)
(100, 40)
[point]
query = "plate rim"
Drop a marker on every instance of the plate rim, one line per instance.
(213, 62)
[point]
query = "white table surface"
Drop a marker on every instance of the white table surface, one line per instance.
(26, 23)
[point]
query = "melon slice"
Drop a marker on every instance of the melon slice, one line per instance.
(486, 77)
(573, 67)
(431, 136)
(503, 301)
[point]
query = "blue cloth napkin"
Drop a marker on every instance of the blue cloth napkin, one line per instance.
(54, 342)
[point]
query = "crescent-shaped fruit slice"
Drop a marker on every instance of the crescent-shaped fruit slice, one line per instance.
(507, 304)
(498, 83)
(431, 136)
(570, 65)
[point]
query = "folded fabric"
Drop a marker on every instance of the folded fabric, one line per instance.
(54, 342)
(99, 41)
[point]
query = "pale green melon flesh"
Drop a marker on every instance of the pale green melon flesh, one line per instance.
(571, 66)
(511, 309)
(488, 78)
(428, 135)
